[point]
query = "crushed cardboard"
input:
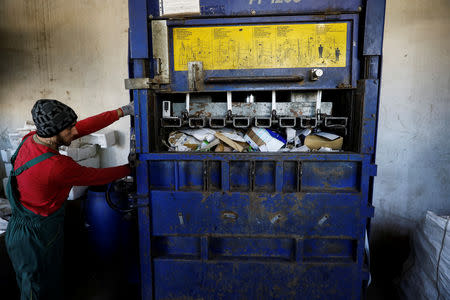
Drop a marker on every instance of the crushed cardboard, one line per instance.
(182, 142)
(256, 139)
(315, 142)
(236, 146)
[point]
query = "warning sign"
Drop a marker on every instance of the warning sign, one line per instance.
(262, 46)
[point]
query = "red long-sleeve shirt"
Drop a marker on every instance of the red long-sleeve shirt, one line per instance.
(44, 187)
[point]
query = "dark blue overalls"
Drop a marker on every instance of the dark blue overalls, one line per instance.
(35, 243)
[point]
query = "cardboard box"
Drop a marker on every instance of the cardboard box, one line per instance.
(229, 142)
(315, 142)
(219, 148)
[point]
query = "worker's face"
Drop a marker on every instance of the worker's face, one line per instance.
(66, 136)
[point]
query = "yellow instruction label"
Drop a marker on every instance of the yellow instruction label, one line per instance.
(262, 46)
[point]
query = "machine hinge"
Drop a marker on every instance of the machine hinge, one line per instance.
(141, 84)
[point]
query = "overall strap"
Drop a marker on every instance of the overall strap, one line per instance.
(20, 213)
(31, 163)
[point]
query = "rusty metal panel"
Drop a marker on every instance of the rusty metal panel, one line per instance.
(331, 176)
(160, 49)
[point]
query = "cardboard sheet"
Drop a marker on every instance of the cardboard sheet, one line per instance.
(316, 142)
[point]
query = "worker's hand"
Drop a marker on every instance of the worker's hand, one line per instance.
(128, 110)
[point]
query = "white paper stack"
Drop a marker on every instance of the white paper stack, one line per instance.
(105, 140)
(427, 271)
(79, 153)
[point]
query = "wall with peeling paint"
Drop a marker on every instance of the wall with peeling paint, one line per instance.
(73, 51)
(413, 145)
(413, 133)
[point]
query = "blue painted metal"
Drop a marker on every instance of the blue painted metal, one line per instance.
(258, 225)
(138, 35)
(218, 8)
(373, 35)
(269, 7)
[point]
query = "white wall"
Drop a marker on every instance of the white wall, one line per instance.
(413, 149)
(73, 51)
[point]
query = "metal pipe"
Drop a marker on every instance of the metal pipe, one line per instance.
(274, 101)
(229, 103)
(318, 100)
(188, 98)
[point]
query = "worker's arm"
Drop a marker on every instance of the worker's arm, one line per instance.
(100, 121)
(68, 173)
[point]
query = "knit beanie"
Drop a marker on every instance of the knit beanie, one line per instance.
(51, 117)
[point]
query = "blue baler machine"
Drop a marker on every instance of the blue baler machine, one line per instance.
(254, 225)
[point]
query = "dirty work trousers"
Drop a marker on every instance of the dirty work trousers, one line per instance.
(35, 243)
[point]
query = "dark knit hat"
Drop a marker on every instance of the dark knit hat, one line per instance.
(51, 117)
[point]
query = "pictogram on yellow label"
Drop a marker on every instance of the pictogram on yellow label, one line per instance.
(262, 46)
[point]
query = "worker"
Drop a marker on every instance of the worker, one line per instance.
(37, 189)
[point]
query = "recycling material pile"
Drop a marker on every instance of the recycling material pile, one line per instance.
(83, 150)
(426, 273)
(255, 139)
